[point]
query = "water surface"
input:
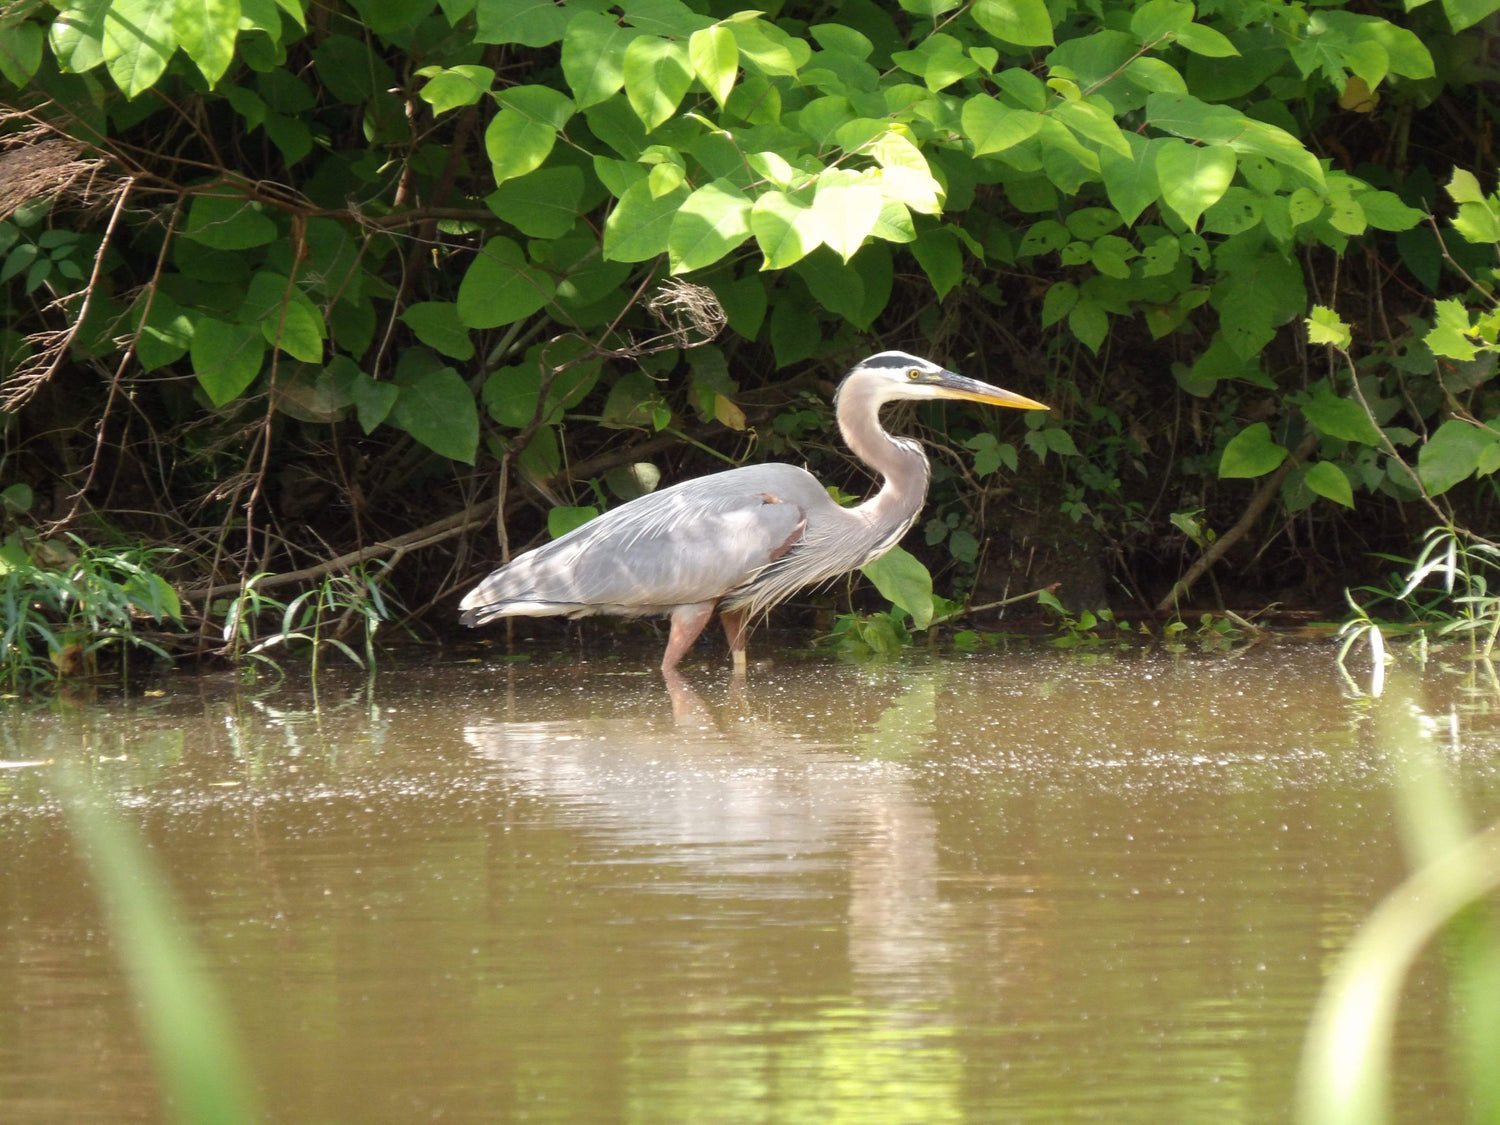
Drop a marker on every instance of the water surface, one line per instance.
(1003, 888)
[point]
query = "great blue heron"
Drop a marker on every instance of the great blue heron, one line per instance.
(743, 540)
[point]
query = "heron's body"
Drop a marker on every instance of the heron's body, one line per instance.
(738, 541)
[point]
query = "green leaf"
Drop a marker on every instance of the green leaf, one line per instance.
(1451, 455)
(640, 225)
(1150, 21)
(1022, 22)
(226, 220)
(1328, 481)
(784, 229)
(1303, 206)
(1466, 13)
(1059, 301)
(166, 334)
(938, 253)
(77, 35)
(710, 223)
(1160, 258)
(1324, 326)
(1463, 187)
(939, 60)
(138, 41)
(562, 520)
(532, 23)
(543, 204)
(1193, 177)
(436, 408)
(501, 287)
(1251, 453)
(1089, 323)
(1339, 417)
(436, 324)
(1206, 41)
(1130, 182)
(766, 48)
(1093, 123)
(373, 400)
(904, 582)
(20, 51)
(542, 457)
(1258, 290)
(456, 86)
(835, 284)
(905, 176)
(658, 73)
(715, 59)
(1449, 335)
(1155, 75)
(994, 126)
(845, 213)
(206, 30)
(512, 394)
(286, 316)
(226, 358)
(519, 137)
(593, 56)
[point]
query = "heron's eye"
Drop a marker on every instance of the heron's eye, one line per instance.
(913, 374)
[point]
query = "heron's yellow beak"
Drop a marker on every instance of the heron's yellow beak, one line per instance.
(949, 385)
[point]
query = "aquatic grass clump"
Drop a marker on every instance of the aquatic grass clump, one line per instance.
(65, 603)
(313, 619)
(1444, 595)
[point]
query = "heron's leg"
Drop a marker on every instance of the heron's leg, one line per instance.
(733, 621)
(687, 623)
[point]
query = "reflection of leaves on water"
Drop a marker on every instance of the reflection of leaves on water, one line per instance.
(907, 723)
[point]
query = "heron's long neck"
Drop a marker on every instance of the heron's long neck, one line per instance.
(899, 461)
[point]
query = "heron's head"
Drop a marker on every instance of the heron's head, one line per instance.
(888, 376)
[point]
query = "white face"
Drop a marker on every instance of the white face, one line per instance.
(902, 375)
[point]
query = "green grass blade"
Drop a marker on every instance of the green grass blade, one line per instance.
(202, 1071)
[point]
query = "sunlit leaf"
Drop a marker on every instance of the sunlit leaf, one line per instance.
(715, 59)
(138, 41)
(1022, 22)
(657, 73)
(640, 225)
(1324, 326)
(1193, 177)
(784, 229)
(206, 30)
(711, 222)
(845, 214)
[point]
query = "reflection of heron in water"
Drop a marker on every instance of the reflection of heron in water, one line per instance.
(733, 798)
(740, 541)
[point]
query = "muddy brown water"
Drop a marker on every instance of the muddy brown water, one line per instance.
(1022, 888)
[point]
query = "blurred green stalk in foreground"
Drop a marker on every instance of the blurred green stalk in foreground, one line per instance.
(202, 1072)
(1346, 1064)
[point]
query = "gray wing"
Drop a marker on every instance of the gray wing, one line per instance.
(686, 544)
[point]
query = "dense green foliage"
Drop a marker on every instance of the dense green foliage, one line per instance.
(276, 277)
